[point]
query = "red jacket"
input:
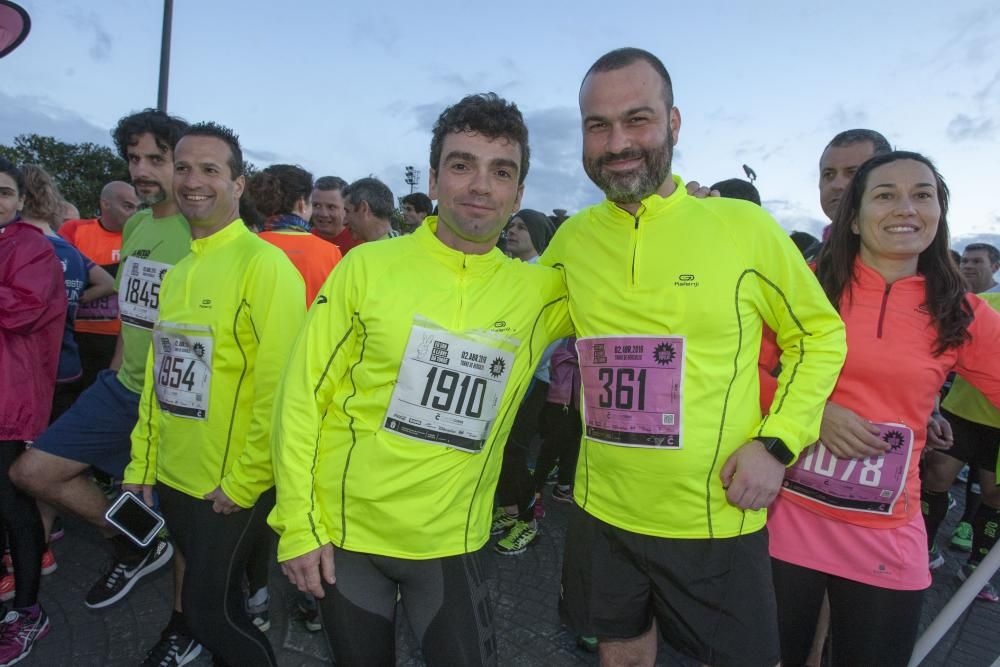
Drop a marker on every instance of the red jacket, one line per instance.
(32, 317)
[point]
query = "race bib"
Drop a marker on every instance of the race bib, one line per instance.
(449, 386)
(99, 310)
(872, 484)
(182, 357)
(632, 389)
(139, 291)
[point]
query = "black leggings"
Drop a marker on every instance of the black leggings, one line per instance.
(217, 548)
(561, 444)
(868, 625)
(515, 486)
(446, 600)
(23, 524)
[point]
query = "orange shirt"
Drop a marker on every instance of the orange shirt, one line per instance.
(99, 316)
(311, 255)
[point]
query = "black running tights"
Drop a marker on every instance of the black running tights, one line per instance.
(23, 524)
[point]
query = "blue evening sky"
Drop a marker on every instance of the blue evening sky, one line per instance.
(352, 88)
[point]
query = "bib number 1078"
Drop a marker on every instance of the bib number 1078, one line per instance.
(442, 386)
(622, 388)
(821, 461)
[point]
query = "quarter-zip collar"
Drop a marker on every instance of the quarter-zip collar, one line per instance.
(867, 278)
(457, 261)
(651, 206)
(233, 230)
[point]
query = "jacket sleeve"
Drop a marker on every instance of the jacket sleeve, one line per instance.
(807, 330)
(979, 360)
(277, 298)
(146, 434)
(31, 278)
(318, 364)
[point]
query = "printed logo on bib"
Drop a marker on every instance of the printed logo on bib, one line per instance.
(449, 386)
(182, 357)
(139, 291)
(632, 389)
(872, 484)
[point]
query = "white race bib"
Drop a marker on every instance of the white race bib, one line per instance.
(139, 291)
(182, 354)
(449, 386)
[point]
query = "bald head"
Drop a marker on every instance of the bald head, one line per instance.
(118, 203)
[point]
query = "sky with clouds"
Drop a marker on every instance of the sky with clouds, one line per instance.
(352, 88)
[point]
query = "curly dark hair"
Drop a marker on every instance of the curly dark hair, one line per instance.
(276, 189)
(488, 114)
(166, 130)
(945, 288)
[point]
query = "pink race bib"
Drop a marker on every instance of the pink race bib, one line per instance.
(632, 388)
(871, 484)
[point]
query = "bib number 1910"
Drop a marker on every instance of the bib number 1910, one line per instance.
(441, 388)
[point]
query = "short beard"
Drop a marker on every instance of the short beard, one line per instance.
(153, 199)
(634, 187)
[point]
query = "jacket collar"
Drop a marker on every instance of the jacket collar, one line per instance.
(233, 230)
(426, 236)
(653, 205)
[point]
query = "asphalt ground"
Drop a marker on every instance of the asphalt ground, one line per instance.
(525, 590)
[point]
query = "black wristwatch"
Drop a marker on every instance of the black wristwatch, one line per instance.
(776, 448)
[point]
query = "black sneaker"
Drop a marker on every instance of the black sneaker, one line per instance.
(308, 612)
(173, 649)
(121, 575)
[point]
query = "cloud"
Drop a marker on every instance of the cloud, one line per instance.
(843, 119)
(792, 216)
(89, 23)
(269, 157)
(965, 128)
(27, 114)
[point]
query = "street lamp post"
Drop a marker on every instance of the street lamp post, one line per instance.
(412, 177)
(168, 16)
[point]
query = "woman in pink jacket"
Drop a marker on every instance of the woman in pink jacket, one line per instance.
(847, 521)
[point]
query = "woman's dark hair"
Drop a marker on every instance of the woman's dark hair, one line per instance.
(275, 190)
(945, 288)
(9, 168)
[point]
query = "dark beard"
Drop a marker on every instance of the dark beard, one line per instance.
(634, 187)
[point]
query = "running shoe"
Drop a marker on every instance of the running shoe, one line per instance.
(588, 644)
(502, 522)
(562, 493)
(935, 558)
(963, 474)
(308, 611)
(520, 536)
(173, 650)
(988, 592)
(121, 575)
(49, 564)
(553, 476)
(260, 615)
(961, 539)
(7, 587)
(18, 634)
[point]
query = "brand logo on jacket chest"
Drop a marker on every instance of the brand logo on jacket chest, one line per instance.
(686, 280)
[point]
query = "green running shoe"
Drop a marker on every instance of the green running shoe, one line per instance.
(520, 536)
(502, 522)
(961, 539)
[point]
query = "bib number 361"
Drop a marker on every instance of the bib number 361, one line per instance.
(632, 387)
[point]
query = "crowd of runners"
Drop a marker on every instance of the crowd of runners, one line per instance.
(754, 430)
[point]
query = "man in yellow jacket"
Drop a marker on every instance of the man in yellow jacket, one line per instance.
(398, 397)
(229, 312)
(669, 295)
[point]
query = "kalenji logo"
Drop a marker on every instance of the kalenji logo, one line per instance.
(686, 280)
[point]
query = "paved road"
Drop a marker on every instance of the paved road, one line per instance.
(525, 589)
